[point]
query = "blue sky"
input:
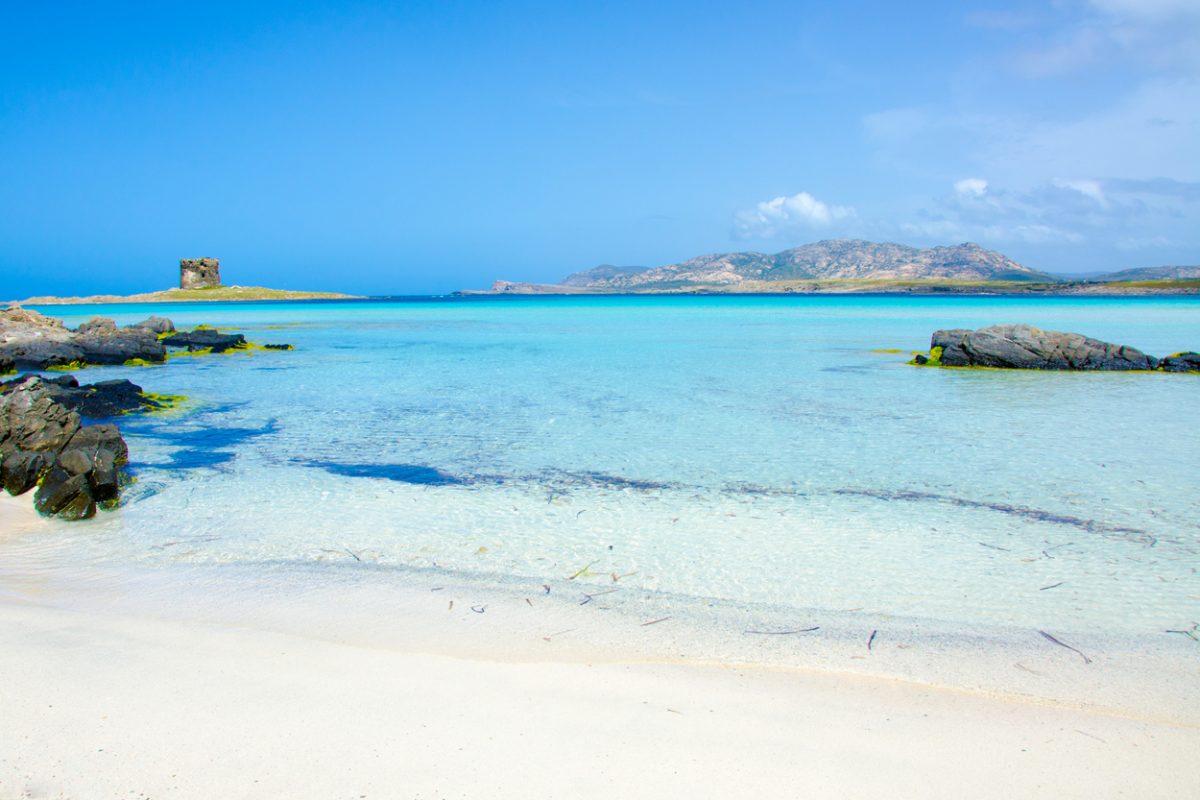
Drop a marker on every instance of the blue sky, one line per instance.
(425, 147)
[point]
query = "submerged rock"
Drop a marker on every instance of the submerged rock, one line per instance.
(1027, 347)
(75, 468)
(33, 341)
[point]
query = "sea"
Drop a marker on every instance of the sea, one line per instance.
(750, 479)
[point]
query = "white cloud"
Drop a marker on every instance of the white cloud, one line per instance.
(975, 187)
(783, 216)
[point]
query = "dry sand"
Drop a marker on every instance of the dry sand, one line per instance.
(97, 706)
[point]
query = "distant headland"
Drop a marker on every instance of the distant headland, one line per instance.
(199, 281)
(838, 266)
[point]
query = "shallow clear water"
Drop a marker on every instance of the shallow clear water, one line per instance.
(733, 450)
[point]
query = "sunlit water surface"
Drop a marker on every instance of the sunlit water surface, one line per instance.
(727, 452)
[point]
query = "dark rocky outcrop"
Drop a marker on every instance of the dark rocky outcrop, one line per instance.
(75, 468)
(1026, 347)
(96, 400)
(7, 365)
(1181, 362)
(205, 339)
(32, 341)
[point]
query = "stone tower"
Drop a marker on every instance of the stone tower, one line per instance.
(199, 273)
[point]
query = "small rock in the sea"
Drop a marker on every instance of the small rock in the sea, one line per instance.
(205, 339)
(1181, 362)
(1027, 347)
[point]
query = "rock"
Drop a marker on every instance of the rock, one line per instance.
(63, 494)
(96, 400)
(42, 443)
(1026, 347)
(97, 325)
(20, 470)
(278, 347)
(1181, 362)
(93, 439)
(118, 345)
(32, 341)
(156, 325)
(205, 338)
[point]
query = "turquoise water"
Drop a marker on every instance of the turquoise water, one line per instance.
(741, 451)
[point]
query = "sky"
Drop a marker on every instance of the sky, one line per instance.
(412, 148)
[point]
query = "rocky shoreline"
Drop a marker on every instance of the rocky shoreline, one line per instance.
(1027, 347)
(75, 469)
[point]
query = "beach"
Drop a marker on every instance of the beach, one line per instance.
(607, 547)
(102, 705)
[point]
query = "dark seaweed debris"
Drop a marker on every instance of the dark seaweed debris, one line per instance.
(418, 474)
(1034, 514)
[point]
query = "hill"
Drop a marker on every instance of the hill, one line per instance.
(1152, 274)
(834, 259)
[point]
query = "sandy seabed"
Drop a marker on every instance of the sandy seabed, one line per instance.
(101, 703)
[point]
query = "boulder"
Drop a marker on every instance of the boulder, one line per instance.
(96, 400)
(20, 470)
(1026, 347)
(97, 325)
(1181, 362)
(205, 339)
(63, 494)
(156, 325)
(74, 467)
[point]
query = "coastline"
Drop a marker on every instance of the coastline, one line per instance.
(208, 295)
(931, 287)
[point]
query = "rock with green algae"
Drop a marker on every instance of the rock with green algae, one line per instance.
(1027, 347)
(74, 467)
(1180, 362)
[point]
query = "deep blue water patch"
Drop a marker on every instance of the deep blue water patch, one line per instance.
(417, 474)
(203, 438)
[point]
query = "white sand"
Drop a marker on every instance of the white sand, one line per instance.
(101, 705)
(17, 514)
